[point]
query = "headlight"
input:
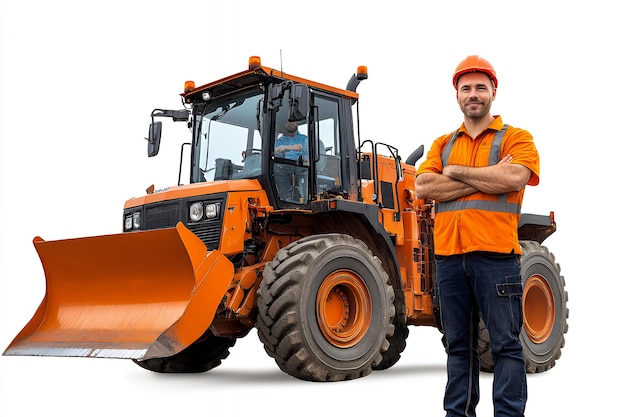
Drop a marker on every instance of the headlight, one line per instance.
(128, 223)
(211, 210)
(195, 212)
(137, 220)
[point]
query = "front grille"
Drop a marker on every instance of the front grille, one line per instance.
(162, 216)
(169, 213)
(209, 233)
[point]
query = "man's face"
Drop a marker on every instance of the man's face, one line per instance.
(291, 128)
(475, 93)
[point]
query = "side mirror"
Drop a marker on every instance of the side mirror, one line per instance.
(415, 155)
(154, 138)
(179, 115)
(298, 103)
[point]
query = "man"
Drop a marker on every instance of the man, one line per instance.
(291, 180)
(477, 176)
(292, 144)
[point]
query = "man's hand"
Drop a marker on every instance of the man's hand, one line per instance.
(285, 148)
(457, 181)
(441, 187)
(503, 177)
(507, 159)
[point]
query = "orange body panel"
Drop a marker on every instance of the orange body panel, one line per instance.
(403, 222)
(190, 190)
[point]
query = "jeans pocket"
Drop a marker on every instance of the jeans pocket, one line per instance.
(513, 289)
(507, 289)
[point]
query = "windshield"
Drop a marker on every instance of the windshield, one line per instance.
(228, 144)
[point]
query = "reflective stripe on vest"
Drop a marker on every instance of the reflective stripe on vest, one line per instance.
(501, 205)
(494, 155)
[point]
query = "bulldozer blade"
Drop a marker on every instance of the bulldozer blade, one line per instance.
(137, 295)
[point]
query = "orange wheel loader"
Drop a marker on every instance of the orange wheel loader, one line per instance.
(328, 254)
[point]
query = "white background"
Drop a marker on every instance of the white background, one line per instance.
(79, 80)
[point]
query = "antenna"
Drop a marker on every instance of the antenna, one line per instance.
(281, 62)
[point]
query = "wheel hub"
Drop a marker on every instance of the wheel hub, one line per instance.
(538, 302)
(343, 308)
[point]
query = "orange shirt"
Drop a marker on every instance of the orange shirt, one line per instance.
(476, 227)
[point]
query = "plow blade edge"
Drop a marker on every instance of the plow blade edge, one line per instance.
(138, 295)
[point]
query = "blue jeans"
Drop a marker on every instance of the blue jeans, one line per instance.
(490, 284)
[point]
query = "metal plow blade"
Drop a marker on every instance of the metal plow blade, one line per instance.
(133, 295)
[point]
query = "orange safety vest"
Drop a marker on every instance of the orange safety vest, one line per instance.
(479, 221)
(494, 157)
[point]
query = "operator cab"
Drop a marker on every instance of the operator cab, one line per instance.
(287, 135)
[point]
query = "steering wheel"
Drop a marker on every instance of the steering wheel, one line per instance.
(248, 152)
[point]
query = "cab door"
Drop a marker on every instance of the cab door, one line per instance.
(326, 178)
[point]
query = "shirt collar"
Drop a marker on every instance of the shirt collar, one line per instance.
(496, 124)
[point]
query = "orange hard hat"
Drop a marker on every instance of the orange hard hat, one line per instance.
(474, 63)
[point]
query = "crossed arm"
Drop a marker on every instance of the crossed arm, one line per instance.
(293, 147)
(457, 181)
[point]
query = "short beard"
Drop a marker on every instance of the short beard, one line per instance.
(476, 114)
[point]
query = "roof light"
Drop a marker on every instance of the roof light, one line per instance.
(254, 62)
(361, 72)
(355, 80)
(189, 85)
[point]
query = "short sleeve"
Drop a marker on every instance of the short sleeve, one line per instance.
(521, 146)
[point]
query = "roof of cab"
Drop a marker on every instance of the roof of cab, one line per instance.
(256, 75)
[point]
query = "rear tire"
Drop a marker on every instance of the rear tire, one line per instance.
(544, 305)
(325, 309)
(203, 355)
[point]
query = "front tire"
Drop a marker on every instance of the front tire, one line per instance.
(203, 355)
(325, 309)
(397, 344)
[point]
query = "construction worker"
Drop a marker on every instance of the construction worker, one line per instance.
(291, 180)
(476, 176)
(292, 144)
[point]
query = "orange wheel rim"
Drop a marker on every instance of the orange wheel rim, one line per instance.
(538, 303)
(343, 308)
